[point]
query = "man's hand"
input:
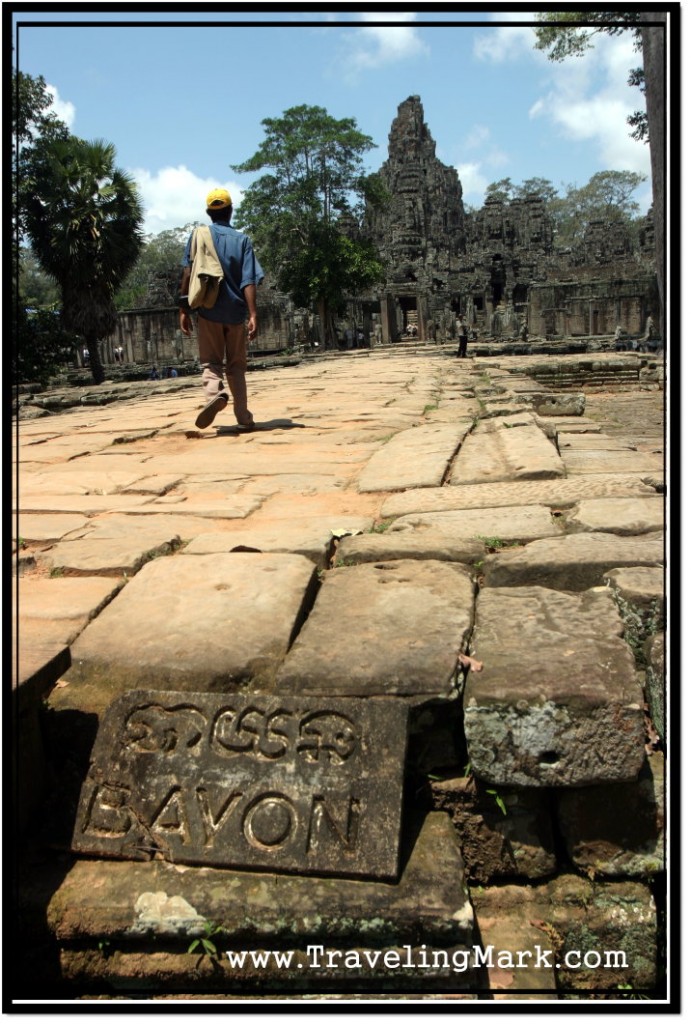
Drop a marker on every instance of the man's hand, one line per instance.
(185, 322)
(252, 327)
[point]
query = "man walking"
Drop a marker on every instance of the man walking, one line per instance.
(221, 329)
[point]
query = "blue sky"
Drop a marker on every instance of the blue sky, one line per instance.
(181, 104)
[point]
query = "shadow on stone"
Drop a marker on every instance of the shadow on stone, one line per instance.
(266, 425)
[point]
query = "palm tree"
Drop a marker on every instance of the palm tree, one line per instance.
(83, 217)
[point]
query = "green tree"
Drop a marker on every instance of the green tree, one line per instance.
(502, 190)
(154, 279)
(83, 222)
(608, 195)
(41, 346)
(36, 289)
(300, 214)
(37, 350)
(505, 190)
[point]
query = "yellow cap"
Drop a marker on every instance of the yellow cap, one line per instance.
(217, 199)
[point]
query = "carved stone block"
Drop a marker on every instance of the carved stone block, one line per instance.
(298, 784)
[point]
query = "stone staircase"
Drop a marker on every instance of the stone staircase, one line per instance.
(465, 537)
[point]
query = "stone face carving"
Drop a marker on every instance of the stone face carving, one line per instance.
(289, 784)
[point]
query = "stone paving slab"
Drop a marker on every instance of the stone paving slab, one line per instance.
(413, 458)
(394, 545)
(312, 537)
(130, 905)
(515, 419)
(584, 442)
(84, 504)
(555, 493)
(624, 516)
(643, 588)
(576, 561)
(592, 461)
(391, 628)
(80, 482)
(207, 506)
(112, 545)
(558, 702)
(65, 604)
(507, 453)
(552, 425)
(517, 524)
(37, 527)
(205, 624)
(309, 784)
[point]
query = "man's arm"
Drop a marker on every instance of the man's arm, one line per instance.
(185, 318)
(250, 294)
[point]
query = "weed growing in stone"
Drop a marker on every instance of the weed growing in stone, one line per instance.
(205, 944)
(381, 527)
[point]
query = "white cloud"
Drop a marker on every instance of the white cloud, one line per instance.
(583, 112)
(175, 196)
(505, 43)
(478, 135)
(378, 46)
(61, 108)
(474, 183)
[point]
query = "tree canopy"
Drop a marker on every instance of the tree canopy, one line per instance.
(304, 214)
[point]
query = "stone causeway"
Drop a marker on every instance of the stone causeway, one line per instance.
(375, 691)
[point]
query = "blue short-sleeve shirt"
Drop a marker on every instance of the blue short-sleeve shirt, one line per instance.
(240, 266)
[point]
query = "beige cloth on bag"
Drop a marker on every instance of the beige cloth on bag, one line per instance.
(207, 272)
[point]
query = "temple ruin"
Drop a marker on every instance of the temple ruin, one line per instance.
(497, 268)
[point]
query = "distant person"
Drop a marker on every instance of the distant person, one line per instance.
(154, 375)
(462, 342)
(172, 372)
(221, 329)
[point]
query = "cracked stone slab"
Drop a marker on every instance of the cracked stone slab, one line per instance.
(134, 904)
(557, 493)
(113, 545)
(311, 537)
(81, 482)
(418, 457)
(37, 527)
(209, 623)
(84, 504)
(388, 628)
(306, 784)
(558, 702)
(393, 545)
(522, 452)
(576, 561)
(623, 516)
(517, 524)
